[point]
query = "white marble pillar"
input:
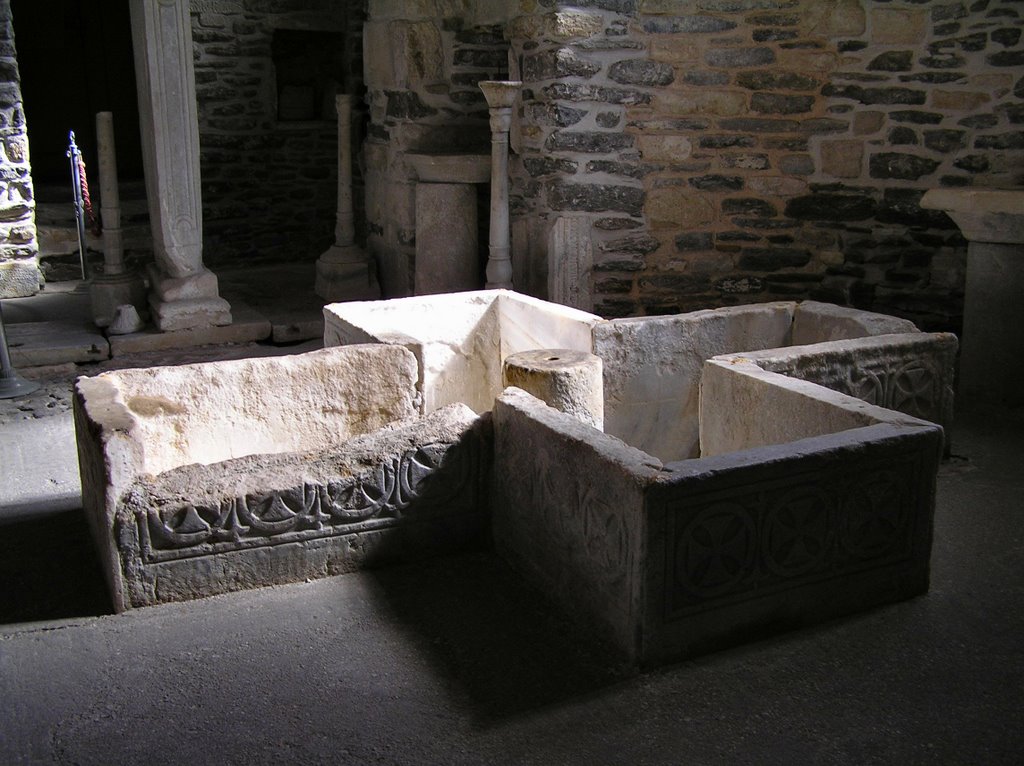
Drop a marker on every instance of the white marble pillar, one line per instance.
(500, 95)
(116, 286)
(185, 293)
(345, 272)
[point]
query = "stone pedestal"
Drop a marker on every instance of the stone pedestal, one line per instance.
(184, 292)
(447, 245)
(992, 341)
(570, 381)
(345, 272)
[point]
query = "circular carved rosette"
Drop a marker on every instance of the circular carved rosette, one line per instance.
(874, 516)
(796, 532)
(866, 386)
(716, 551)
(913, 389)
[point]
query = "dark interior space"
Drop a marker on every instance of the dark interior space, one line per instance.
(75, 59)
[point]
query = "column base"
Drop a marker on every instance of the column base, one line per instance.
(107, 292)
(185, 303)
(346, 274)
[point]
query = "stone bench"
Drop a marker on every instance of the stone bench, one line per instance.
(207, 478)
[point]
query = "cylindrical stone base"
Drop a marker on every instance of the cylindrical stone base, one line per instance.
(570, 381)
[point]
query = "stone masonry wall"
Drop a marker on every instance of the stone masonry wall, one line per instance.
(269, 186)
(19, 265)
(684, 154)
(424, 59)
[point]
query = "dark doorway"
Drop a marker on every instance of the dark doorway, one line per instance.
(75, 59)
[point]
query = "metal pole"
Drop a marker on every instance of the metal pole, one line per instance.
(11, 384)
(76, 181)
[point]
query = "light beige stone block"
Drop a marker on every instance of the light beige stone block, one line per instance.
(20, 278)
(842, 159)
(898, 25)
(678, 207)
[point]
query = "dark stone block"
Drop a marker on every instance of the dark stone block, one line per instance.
(731, 58)
(557, 63)
(875, 95)
(1018, 89)
(724, 142)
(561, 91)
(596, 198)
(958, 181)
(951, 11)
(555, 115)
(774, 19)
(746, 161)
(831, 207)
(705, 77)
(848, 46)
(615, 309)
(796, 164)
(677, 284)
(942, 61)
(786, 144)
(901, 136)
(765, 223)
(950, 28)
(716, 182)
(979, 121)
(616, 224)
(737, 236)
(1004, 141)
(660, 25)
(772, 35)
(970, 43)
(945, 140)
(907, 167)
(740, 285)
(641, 244)
(748, 206)
(772, 259)
(467, 97)
(608, 119)
(618, 6)
(694, 241)
(916, 117)
(892, 61)
(641, 72)
(776, 103)
(613, 285)
(487, 35)
(731, 6)
(917, 258)
(1014, 113)
(1006, 58)
(904, 206)
(628, 169)
(824, 125)
(406, 105)
(595, 142)
(540, 166)
(756, 125)
(933, 78)
(1007, 37)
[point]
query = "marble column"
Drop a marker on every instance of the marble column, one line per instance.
(116, 286)
(184, 292)
(500, 95)
(345, 272)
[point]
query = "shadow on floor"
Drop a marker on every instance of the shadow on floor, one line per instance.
(49, 569)
(494, 638)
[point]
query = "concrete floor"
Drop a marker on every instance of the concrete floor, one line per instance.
(456, 661)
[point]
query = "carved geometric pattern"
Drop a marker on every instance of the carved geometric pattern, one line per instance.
(371, 500)
(912, 387)
(747, 541)
(716, 549)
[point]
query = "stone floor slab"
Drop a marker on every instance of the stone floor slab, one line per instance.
(248, 325)
(33, 344)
